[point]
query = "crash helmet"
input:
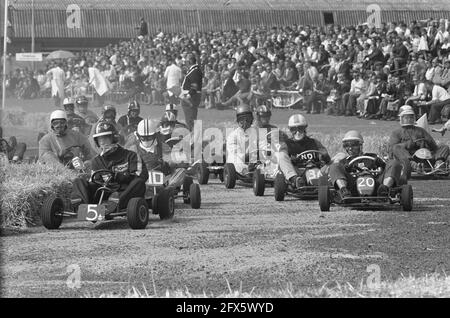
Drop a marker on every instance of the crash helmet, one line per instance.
(69, 104)
(263, 111)
(171, 108)
(407, 116)
(146, 132)
(352, 142)
(244, 116)
(168, 121)
(105, 128)
(134, 106)
(61, 117)
(109, 109)
(81, 101)
(297, 120)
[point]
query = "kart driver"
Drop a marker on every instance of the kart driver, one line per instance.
(339, 173)
(295, 145)
(405, 141)
(128, 169)
(54, 146)
(74, 121)
(82, 110)
(263, 115)
(132, 118)
(109, 114)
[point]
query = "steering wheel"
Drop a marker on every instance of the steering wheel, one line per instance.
(359, 159)
(102, 177)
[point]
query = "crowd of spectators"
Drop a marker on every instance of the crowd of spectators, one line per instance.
(342, 70)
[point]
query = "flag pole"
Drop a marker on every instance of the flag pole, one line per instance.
(5, 42)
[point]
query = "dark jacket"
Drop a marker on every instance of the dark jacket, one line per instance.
(295, 147)
(193, 76)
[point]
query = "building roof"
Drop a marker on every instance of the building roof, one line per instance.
(331, 5)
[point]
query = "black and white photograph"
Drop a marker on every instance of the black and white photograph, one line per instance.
(224, 154)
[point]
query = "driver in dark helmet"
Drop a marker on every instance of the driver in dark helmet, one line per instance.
(132, 118)
(54, 146)
(127, 168)
(82, 110)
(341, 178)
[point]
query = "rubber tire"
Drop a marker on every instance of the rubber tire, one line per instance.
(155, 204)
(195, 196)
(221, 176)
(187, 189)
(324, 198)
(323, 180)
(137, 213)
(259, 183)
(166, 204)
(52, 205)
(407, 197)
(279, 186)
(229, 176)
(203, 173)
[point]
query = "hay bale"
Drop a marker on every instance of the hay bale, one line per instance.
(24, 188)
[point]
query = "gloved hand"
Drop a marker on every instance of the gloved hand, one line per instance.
(77, 163)
(122, 177)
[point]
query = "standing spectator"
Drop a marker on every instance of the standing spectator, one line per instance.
(173, 76)
(97, 80)
(440, 101)
(143, 29)
(57, 80)
(191, 92)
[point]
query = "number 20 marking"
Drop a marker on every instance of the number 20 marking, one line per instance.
(369, 182)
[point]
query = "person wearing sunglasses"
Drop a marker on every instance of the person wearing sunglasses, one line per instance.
(296, 144)
(339, 174)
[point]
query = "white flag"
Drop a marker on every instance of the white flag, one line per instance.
(423, 122)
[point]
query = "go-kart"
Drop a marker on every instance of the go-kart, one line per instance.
(204, 169)
(364, 195)
(424, 166)
(162, 190)
(53, 210)
(308, 165)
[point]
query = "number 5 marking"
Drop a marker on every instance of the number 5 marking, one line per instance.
(92, 208)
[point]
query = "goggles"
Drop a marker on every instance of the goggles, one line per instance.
(57, 122)
(148, 138)
(351, 143)
(300, 129)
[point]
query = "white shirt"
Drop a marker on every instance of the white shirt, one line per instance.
(420, 90)
(439, 94)
(357, 86)
(173, 75)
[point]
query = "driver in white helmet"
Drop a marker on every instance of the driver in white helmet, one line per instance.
(54, 145)
(75, 122)
(295, 145)
(339, 173)
(405, 141)
(147, 143)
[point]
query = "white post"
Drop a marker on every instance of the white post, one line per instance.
(5, 27)
(32, 31)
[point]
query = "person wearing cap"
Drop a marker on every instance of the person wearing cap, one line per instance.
(81, 103)
(342, 180)
(407, 139)
(14, 150)
(439, 104)
(54, 145)
(191, 92)
(127, 167)
(294, 145)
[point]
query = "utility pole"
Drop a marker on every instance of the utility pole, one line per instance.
(5, 42)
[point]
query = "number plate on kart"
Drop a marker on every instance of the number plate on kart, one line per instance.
(155, 178)
(91, 212)
(365, 185)
(312, 176)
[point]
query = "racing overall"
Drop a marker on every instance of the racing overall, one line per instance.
(341, 170)
(130, 172)
(404, 142)
(52, 147)
(293, 147)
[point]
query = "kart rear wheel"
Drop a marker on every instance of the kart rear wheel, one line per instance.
(406, 170)
(202, 173)
(259, 183)
(51, 212)
(407, 197)
(220, 176)
(137, 213)
(195, 196)
(229, 176)
(166, 204)
(324, 198)
(279, 187)
(186, 189)
(155, 204)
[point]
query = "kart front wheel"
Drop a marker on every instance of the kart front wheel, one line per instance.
(166, 204)
(51, 212)
(155, 204)
(407, 197)
(259, 183)
(137, 213)
(203, 173)
(324, 198)
(195, 196)
(229, 176)
(279, 187)
(186, 190)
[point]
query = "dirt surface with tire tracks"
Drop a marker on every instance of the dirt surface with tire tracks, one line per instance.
(235, 236)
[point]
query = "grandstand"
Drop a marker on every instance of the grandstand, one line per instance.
(106, 21)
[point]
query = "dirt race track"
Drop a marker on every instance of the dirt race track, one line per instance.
(256, 242)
